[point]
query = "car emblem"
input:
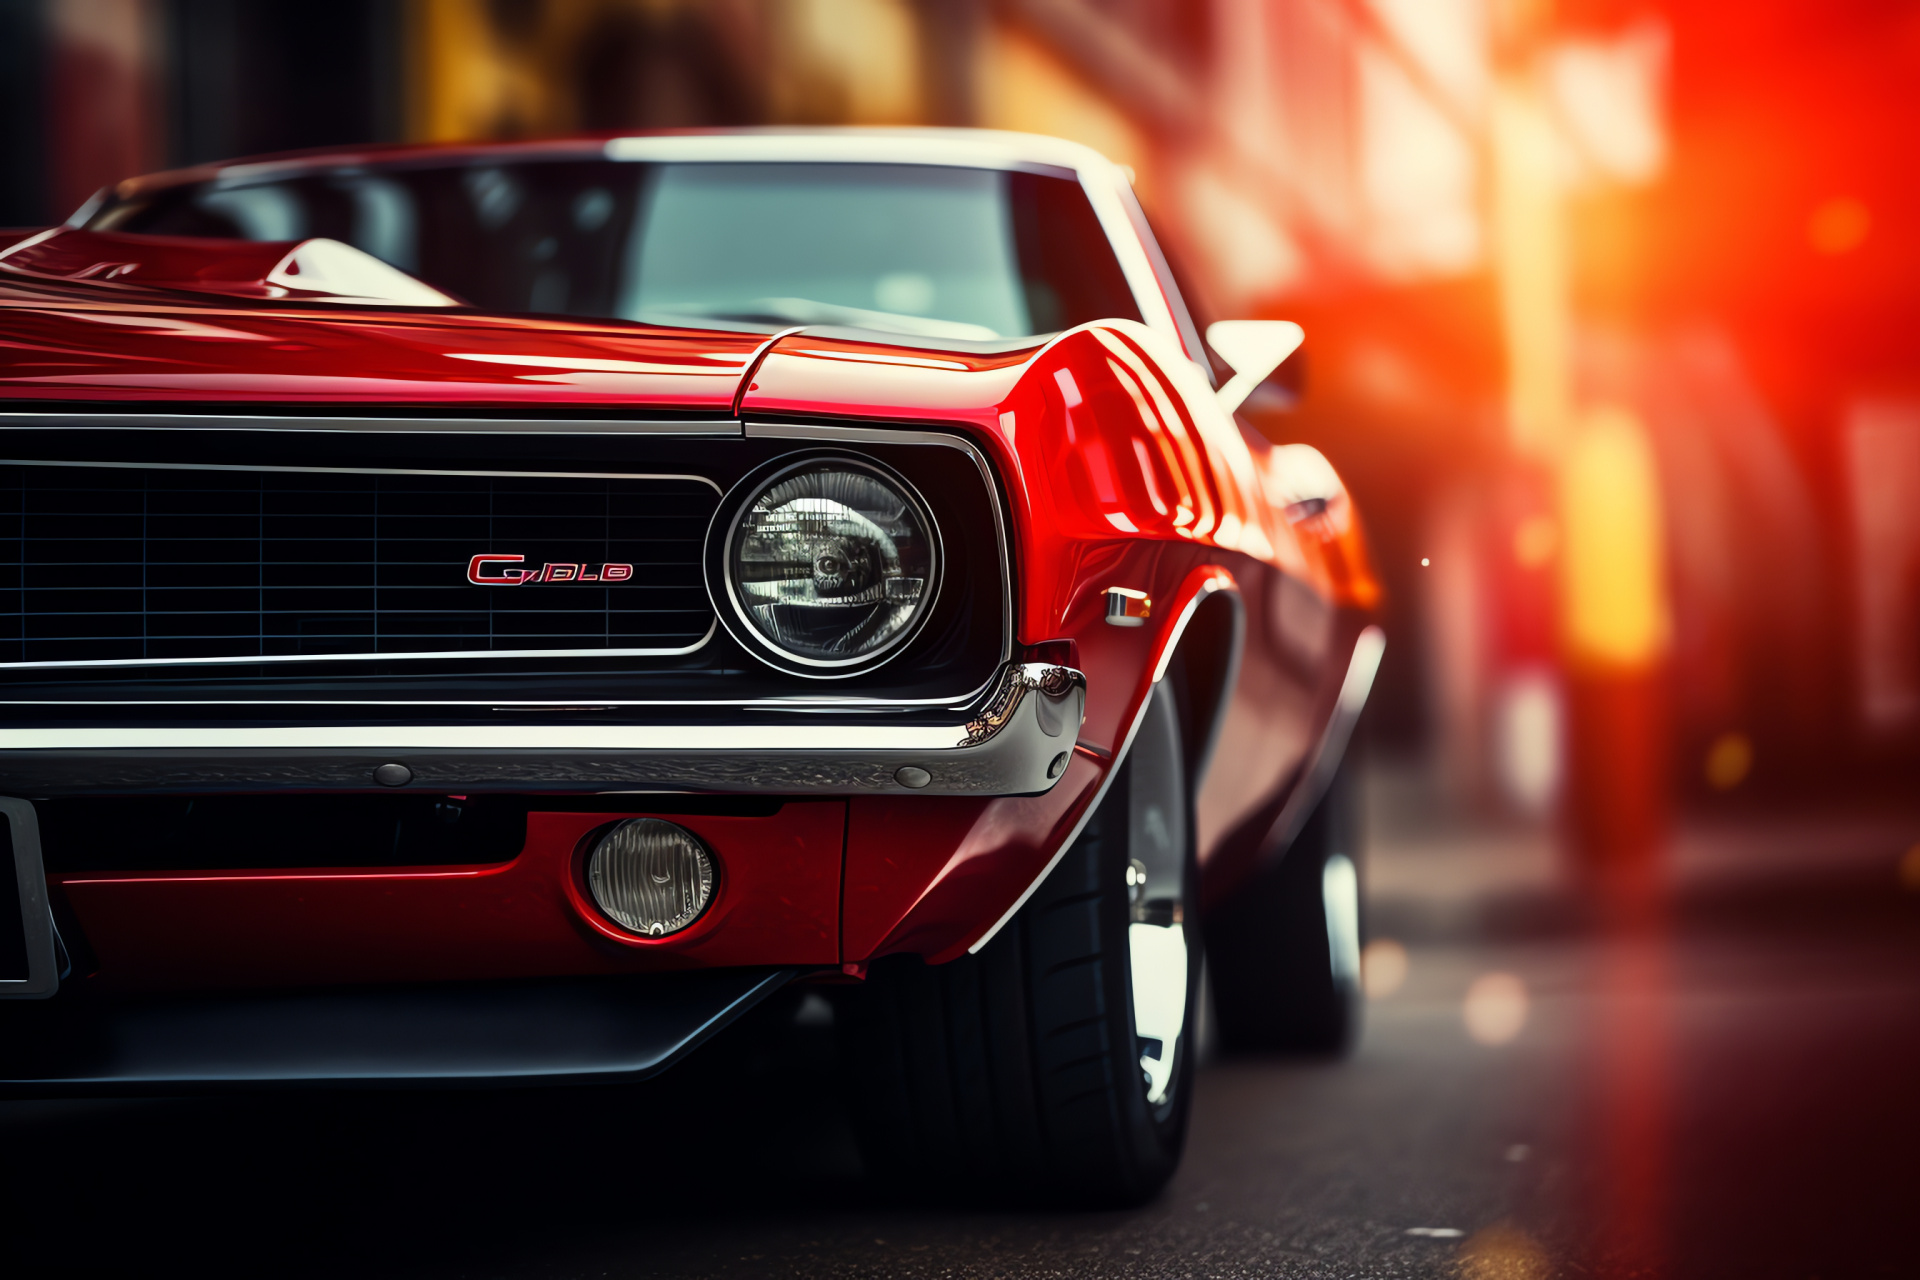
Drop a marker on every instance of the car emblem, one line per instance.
(493, 571)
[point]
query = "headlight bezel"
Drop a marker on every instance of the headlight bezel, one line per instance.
(731, 609)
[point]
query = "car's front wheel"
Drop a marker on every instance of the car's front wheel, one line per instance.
(1056, 1064)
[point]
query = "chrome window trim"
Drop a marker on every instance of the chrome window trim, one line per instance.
(937, 147)
(28, 420)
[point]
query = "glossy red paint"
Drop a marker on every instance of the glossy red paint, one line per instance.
(236, 268)
(1120, 472)
(1118, 469)
(803, 374)
(1107, 436)
(777, 903)
(1117, 476)
(102, 341)
(931, 875)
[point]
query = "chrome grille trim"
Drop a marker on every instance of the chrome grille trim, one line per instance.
(287, 552)
(29, 420)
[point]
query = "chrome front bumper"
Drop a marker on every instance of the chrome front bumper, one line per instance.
(1018, 743)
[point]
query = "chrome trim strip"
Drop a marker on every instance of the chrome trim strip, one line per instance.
(365, 471)
(921, 147)
(1119, 756)
(1017, 746)
(804, 736)
(1368, 648)
(753, 364)
(98, 663)
(886, 435)
(13, 419)
(811, 703)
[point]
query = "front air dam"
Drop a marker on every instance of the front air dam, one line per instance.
(553, 1030)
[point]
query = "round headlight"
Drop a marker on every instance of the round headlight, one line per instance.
(650, 876)
(831, 564)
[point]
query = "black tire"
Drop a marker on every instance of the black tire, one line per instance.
(1015, 1073)
(1283, 951)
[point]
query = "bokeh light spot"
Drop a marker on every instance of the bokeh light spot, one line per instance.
(1501, 1252)
(1383, 968)
(1839, 225)
(1729, 761)
(1495, 1008)
(1535, 541)
(1910, 869)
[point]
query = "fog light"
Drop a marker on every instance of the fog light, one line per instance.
(650, 876)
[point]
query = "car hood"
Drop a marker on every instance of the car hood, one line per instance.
(202, 332)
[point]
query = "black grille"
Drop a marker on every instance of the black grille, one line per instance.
(153, 563)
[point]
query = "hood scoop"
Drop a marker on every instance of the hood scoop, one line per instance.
(317, 270)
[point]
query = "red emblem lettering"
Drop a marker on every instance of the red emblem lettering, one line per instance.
(488, 570)
(506, 578)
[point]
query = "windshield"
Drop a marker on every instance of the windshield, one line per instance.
(919, 250)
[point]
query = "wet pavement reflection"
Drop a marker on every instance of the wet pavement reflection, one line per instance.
(1715, 1076)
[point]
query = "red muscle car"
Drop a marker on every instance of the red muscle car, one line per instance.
(497, 613)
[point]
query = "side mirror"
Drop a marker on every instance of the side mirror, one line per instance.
(1255, 348)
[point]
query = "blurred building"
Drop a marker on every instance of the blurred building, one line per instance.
(1677, 210)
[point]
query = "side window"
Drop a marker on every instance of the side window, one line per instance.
(1067, 268)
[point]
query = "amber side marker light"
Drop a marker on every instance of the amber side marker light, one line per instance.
(650, 877)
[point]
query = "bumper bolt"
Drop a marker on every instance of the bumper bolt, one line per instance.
(393, 775)
(909, 776)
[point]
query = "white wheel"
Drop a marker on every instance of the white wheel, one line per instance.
(1157, 941)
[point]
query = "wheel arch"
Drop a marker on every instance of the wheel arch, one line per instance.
(1207, 652)
(1211, 618)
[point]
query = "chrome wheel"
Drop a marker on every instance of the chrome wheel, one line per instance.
(1158, 837)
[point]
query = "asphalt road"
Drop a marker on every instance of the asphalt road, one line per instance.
(1727, 1084)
